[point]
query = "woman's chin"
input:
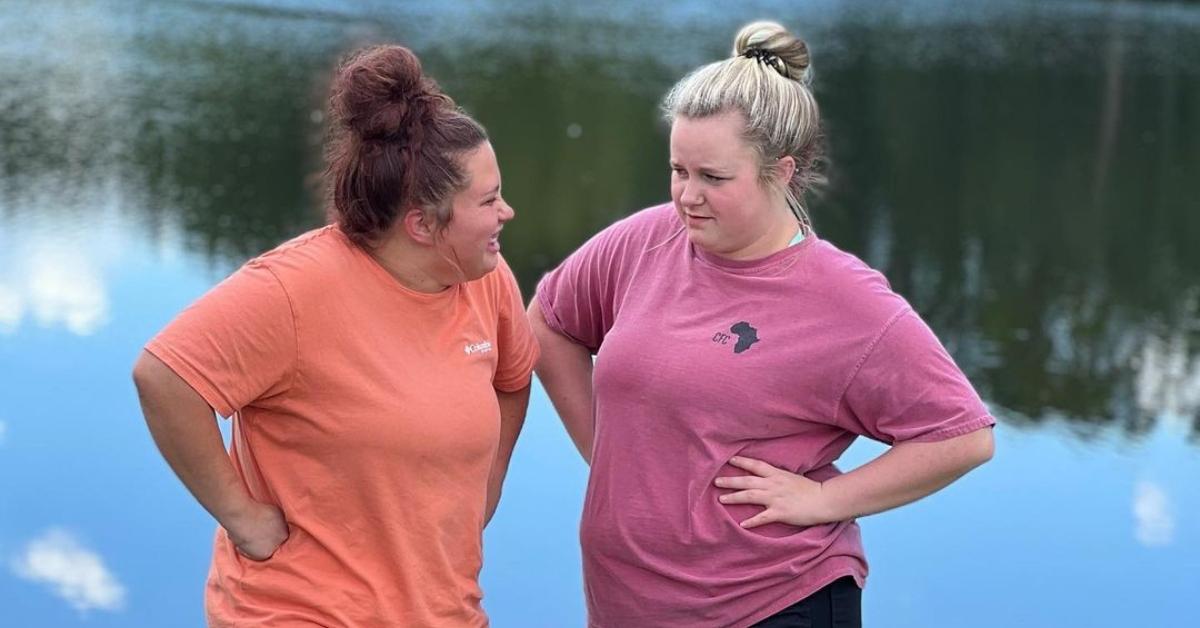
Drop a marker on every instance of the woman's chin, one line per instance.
(487, 264)
(701, 240)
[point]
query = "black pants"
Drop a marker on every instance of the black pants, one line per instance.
(838, 605)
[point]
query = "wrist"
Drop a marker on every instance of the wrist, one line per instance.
(831, 505)
(235, 508)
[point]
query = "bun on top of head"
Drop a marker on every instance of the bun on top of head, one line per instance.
(382, 93)
(395, 142)
(774, 45)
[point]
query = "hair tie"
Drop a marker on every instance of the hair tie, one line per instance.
(768, 58)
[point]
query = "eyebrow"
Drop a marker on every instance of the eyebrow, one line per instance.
(708, 169)
(490, 192)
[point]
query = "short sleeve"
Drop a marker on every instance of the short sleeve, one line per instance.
(907, 387)
(579, 298)
(516, 345)
(236, 344)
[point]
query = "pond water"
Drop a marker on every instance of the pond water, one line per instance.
(1025, 173)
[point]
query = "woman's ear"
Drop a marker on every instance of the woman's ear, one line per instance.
(417, 226)
(785, 169)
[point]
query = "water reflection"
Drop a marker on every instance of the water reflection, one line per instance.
(1023, 171)
(1154, 515)
(53, 286)
(1025, 174)
(77, 574)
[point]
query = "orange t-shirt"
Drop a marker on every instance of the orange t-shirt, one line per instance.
(367, 412)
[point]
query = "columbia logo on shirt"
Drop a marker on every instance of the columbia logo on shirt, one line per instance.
(477, 347)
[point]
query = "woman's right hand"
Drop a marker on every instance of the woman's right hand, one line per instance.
(258, 531)
(186, 432)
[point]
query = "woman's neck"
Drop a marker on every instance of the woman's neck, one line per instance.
(775, 239)
(411, 264)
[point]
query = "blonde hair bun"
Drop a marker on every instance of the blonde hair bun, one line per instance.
(774, 40)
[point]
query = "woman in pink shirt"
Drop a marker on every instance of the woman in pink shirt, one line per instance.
(737, 355)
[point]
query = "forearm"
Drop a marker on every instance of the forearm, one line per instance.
(513, 406)
(185, 430)
(903, 474)
(565, 370)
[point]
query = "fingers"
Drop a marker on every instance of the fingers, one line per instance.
(263, 545)
(757, 467)
(769, 487)
(260, 552)
(760, 469)
(740, 482)
(258, 558)
(746, 497)
(764, 517)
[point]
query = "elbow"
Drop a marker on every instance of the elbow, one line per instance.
(537, 323)
(147, 373)
(142, 371)
(983, 448)
(534, 312)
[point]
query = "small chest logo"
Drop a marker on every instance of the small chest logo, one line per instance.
(477, 347)
(746, 334)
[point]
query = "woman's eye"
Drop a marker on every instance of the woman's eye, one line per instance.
(713, 177)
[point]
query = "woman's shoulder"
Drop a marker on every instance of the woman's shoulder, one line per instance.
(851, 286)
(318, 259)
(318, 242)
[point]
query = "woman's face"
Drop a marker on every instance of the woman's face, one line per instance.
(716, 189)
(471, 241)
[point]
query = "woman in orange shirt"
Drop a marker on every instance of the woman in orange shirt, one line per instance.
(377, 371)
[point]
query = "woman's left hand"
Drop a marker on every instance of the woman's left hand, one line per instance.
(787, 497)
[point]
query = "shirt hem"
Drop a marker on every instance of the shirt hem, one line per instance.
(515, 384)
(790, 600)
(554, 322)
(848, 566)
(192, 377)
(947, 433)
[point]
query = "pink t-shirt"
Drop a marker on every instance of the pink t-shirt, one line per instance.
(786, 359)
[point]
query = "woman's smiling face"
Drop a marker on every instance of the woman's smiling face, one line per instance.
(471, 240)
